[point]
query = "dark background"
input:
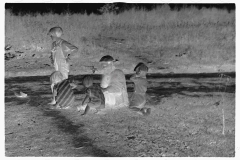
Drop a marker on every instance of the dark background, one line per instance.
(58, 8)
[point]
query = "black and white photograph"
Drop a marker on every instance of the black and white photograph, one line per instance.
(119, 79)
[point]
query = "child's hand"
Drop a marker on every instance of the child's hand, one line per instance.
(134, 76)
(54, 49)
(68, 58)
(51, 59)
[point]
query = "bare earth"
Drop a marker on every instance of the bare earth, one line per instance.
(191, 116)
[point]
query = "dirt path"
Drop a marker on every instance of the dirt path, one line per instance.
(186, 120)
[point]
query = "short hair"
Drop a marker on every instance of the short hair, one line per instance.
(141, 67)
(56, 77)
(106, 58)
(87, 81)
(56, 32)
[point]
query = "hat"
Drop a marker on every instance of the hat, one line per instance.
(107, 58)
(55, 32)
(141, 67)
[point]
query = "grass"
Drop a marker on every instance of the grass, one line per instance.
(199, 36)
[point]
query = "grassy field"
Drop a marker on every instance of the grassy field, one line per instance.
(162, 38)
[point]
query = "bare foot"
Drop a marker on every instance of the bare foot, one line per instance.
(58, 106)
(52, 103)
(146, 111)
(86, 110)
(83, 107)
(140, 112)
(55, 106)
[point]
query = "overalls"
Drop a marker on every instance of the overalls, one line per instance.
(60, 63)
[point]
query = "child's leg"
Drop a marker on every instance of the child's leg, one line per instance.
(54, 97)
(142, 111)
(87, 98)
(137, 102)
(136, 109)
(52, 85)
(84, 104)
(102, 99)
(86, 110)
(137, 105)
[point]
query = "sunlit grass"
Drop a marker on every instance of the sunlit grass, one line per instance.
(207, 35)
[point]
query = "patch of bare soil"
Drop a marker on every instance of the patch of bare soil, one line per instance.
(190, 117)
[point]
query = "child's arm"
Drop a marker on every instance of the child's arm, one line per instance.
(69, 49)
(87, 97)
(134, 77)
(112, 89)
(53, 48)
(117, 82)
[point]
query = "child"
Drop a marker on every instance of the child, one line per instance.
(61, 50)
(63, 96)
(113, 84)
(55, 78)
(138, 99)
(92, 90)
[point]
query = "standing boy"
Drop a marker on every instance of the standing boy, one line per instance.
(61, 50)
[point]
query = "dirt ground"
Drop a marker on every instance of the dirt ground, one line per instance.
(191, 116)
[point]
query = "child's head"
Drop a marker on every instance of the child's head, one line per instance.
(141, 69)
(87, 81)
(55, 32)
(107, 63)
(56, 77)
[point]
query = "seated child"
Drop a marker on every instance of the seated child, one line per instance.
(138, 98)
(63, 96)
(113, 84)
(91, 91)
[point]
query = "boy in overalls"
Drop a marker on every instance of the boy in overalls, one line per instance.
(61, 50)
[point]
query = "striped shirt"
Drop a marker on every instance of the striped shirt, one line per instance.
(65, 96)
